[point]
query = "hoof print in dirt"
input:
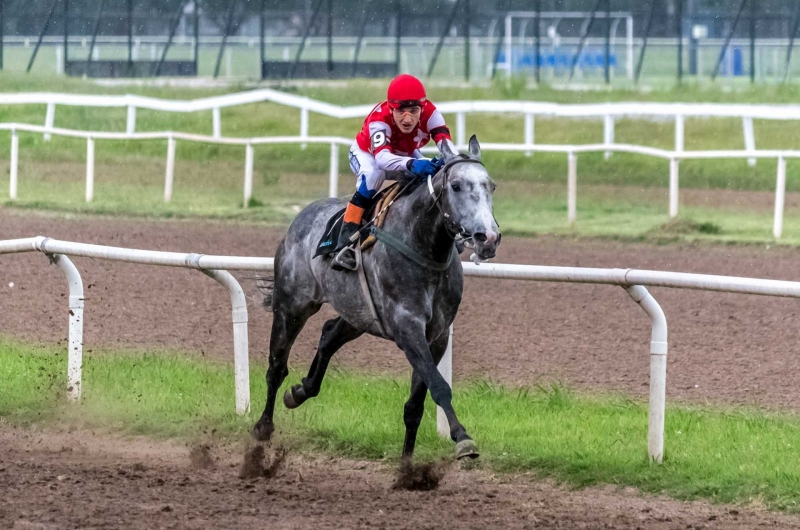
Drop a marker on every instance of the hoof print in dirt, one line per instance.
(420, 477)
(256, 464)
(200, 457)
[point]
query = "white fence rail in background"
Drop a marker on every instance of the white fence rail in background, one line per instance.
(608, 112)
(336, 142)
(632, 280)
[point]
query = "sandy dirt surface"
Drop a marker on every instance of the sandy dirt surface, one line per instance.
(52, 480)
(723, 347)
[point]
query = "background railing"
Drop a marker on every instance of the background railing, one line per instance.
(335, 142)
(608, 112)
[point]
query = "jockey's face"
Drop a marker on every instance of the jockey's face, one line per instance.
(406, 118)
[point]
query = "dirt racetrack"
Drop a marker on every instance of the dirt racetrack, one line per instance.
(723, 347)
(52, 480)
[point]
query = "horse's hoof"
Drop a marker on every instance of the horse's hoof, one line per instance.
(467, 449)
(263, 431)
(292, 398)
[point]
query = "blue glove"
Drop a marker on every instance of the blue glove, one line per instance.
(438, 163)
(422, 168)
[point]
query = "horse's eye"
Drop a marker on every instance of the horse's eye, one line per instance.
(494, 187)
(456, 186)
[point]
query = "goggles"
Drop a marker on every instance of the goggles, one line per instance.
(411, 111)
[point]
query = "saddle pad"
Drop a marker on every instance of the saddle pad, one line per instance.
(331, 235)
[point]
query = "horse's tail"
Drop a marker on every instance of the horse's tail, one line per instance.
(266, 285)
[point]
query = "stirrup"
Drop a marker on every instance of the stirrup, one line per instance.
(345, 266)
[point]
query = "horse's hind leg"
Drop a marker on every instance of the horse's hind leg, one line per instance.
(286, 326)
(415, 406)
(335, 334)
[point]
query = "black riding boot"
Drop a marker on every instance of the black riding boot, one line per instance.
(344, 255)
(345, 260)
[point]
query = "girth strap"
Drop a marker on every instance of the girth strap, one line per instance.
(362, 278)
(390, 240)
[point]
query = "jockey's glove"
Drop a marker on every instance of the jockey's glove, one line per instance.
(422, 168)
(438, 163)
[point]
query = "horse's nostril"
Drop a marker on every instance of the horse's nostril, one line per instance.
(479, 237)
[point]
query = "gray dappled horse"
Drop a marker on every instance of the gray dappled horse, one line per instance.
(416, 300)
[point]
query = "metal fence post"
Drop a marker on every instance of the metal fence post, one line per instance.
(303, 125)
(216, 119)
(673, 188)
(14, 165)
(241, 360)
(529, 131)
(608, 133)
(75, 337)
(248, 174)
(130, 124)
(89, 169)
(49, 119)
(170, 173)
(780, 197)
(658, 371)
(572, 187)
(749, 138)
(333, 181)
(679, 133)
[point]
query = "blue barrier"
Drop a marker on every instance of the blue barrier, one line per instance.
(589, 59)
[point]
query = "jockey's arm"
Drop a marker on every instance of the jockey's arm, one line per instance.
(388, 161)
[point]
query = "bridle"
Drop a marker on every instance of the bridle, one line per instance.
(459, 235)
(457, 232)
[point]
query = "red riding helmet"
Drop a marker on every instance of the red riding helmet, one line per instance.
(405, 91)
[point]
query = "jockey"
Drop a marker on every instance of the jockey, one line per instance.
(390, 140)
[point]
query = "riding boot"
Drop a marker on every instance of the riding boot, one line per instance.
(345, 258)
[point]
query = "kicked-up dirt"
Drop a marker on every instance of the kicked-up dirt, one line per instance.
(63, 480)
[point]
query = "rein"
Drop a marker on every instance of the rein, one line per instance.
(388, 239)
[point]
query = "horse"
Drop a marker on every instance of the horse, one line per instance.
(414, 281)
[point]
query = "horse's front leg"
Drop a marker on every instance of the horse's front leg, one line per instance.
(410, 337)
(415, 406)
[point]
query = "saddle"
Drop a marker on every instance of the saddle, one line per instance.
(331, 235)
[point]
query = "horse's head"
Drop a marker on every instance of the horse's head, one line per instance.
(467, 197)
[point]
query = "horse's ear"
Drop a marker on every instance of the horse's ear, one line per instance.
(448, 150)
(474, 148)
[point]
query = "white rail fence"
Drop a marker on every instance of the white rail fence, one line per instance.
(572, 151)
(633, 281)
(215, 267)
(608, 112)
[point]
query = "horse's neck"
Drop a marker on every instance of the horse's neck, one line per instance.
(423, 227)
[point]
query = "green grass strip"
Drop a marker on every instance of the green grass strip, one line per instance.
(726, 455)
